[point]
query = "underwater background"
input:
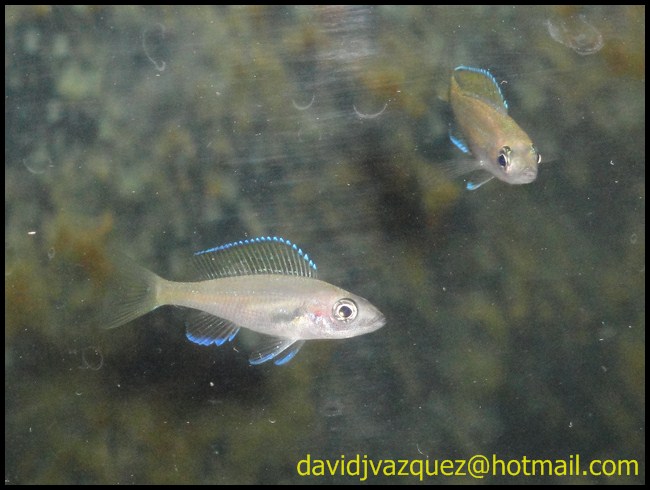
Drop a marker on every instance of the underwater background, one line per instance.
(515, 313)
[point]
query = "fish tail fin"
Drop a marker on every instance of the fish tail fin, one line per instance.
(132, 291)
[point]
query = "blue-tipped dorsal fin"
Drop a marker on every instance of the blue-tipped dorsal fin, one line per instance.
(206, 329)
(479, 83)
(282, 350)
(262, 255)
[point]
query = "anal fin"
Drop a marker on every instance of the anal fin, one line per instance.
(280, 349)
(206, 329)
(471, 186)
(458, 141)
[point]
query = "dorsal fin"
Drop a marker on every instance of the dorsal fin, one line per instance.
(262, 255)
(479, 83)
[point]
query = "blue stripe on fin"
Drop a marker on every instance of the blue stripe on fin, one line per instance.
(459, 142)
(289, 353)
(481, 90)
(206, 329)
(471, 186)
(261, 255)
(273, 348)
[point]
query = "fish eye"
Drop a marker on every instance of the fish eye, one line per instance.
(345, 310)
(504, 156)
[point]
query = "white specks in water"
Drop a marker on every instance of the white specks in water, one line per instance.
(361, 115)
(633, 238)
(272, 421)
(576, 33)
(417, 446)
(304, 107)
(146, 40)
(332, 407)
(32, 41)
(54, 111)
(51, 253)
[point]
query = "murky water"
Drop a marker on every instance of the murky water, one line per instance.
(515, 313)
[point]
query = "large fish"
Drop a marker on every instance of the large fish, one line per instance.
(265, 284)
(484, 129)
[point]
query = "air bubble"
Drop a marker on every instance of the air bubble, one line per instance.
(152, 46)
(361, 115)
(576, 33)
(38, 162)
(91, 358)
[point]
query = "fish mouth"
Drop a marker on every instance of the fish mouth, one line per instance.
(369, 325)
(377, 323)
(527, 176)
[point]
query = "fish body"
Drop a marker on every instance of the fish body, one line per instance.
(266, 284)
(284, 306)
(484, 129)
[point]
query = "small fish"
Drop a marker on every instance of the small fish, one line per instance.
(265, 284)
(484, 129)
